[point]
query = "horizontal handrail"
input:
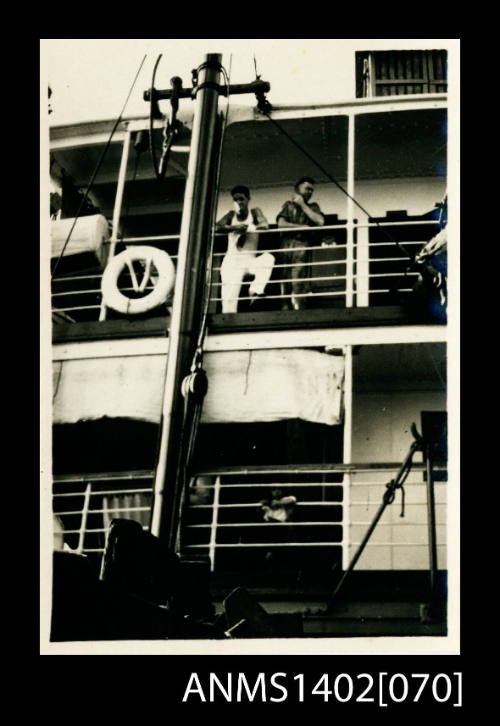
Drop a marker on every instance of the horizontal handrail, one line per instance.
(372, 260)
(110, 511)
(337, 467)
(88, 292)
(78, 307)
(150, 238)
(387, 290)
(345, 225)
(275, 484)
(270, 545)
(402, 223)
(130, 474)
(76, 277)
(256, 505)
(286, 250)
(264, 524)
(103, 493)
(403, 523)
(393, 274)
(79, 292)
(291, 230)
(264, 544)
(107, 510)
(306, 469)
(397, 544)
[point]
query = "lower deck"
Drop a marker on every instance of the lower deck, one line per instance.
(391, 375)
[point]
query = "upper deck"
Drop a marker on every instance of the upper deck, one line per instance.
(387, 153)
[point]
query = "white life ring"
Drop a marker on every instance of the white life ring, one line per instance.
(115, 299)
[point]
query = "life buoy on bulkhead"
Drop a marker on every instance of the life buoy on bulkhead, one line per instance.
(163, 286)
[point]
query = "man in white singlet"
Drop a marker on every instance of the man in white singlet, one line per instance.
(241, 258)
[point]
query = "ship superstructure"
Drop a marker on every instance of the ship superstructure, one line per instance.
(308, 413)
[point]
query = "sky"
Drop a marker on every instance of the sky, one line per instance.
(90, 78)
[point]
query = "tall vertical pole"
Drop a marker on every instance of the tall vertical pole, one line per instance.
(115, 228)
(347, 456)
(190, 278)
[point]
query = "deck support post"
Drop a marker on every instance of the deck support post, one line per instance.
(115, 228)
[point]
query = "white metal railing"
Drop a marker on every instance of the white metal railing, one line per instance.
(211, 531)
(227, 512)
(225, 509)
(351, 272)
(94, 500)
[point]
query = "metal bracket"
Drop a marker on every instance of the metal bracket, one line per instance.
(222, 90)
(258, 87)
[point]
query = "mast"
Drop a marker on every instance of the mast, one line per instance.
(186, 311)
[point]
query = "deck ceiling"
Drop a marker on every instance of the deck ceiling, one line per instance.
(79, 162)
(415, 366)
(264, 156)
(389, 145)
(401, 144)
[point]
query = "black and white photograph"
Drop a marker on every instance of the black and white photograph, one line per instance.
(250, 349)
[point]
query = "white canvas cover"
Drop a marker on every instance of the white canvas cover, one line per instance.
(88, 235)
(244, 386)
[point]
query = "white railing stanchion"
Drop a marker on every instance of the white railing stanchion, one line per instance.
(122, 176)
(213, 526)
(362, 264)
(83, 524)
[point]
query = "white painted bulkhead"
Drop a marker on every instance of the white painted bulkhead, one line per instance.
(381, 432)
(416, 196)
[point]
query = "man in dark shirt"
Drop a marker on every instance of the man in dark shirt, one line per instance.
(297, 212)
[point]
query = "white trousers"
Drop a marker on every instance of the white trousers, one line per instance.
(235, 265)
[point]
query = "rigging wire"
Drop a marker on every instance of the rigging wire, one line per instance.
(152, 109)
(332, 179)
(97, 168)
(327, 174)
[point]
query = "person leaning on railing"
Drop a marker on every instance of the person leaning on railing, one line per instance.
(297, 212)
(431, 263)
(241, 257)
